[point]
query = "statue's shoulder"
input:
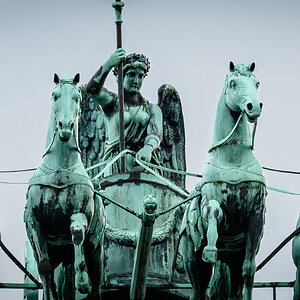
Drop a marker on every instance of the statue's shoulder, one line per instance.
(155, 108)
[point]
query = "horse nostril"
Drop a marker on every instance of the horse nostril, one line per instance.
(249, 106)
(60, 125)
(261, 105)
(71, 125)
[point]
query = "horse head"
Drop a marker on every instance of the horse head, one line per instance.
(66, 99)
(240, 91)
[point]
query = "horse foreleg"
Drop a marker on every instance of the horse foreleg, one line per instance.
(199, 272)
(39, 243)
(77, 228)
(253, 236)
(94, 249)
(212, 215)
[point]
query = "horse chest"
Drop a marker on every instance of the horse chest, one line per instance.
(238, 202)
(56, 206)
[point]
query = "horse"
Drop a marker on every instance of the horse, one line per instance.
(64, 218)
(296, 259)
(222, 228)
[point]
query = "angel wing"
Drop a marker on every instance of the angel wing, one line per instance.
(92, 133)
(171, 151)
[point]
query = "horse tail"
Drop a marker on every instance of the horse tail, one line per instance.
(219, 286)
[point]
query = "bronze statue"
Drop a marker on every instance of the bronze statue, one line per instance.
(143, 120)
(224, 226)
(64, 218)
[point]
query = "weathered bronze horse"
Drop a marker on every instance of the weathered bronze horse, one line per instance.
(64, 218)
(224, 226)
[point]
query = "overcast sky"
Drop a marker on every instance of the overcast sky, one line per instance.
(190, 45)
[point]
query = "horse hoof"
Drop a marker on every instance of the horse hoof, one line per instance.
(210, 254)
(82, 283)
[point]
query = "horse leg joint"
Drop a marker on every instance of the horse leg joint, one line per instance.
(212, 214)
(77, 236)
(44, 266)
(77, 228)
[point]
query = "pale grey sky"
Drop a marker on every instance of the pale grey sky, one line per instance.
(190, 44)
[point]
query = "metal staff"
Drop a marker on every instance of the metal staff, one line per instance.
(118, 5)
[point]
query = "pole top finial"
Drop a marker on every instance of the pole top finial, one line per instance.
(118, 5)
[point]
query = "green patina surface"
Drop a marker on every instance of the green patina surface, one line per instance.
(64, 218)
(218, 226)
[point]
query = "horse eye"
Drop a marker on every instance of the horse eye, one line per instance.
(54, 96)
(257, 84)
(232, 84)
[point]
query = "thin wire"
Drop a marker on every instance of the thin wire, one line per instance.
(18, 171)
(278, 248)
(281, 171)
(9, 182)
(158, 167)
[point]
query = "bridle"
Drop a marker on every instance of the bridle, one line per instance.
(78, 90)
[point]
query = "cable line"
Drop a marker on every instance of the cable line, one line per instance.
(281, 171)
(18, 171)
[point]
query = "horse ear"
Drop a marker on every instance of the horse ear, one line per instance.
(251, 67)
(231, 66)
(56, 78)
(76, 78)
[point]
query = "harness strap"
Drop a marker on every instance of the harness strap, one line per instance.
(51, 143)
(228, 136)
(231, 133)
(53, 138)
(253, 134)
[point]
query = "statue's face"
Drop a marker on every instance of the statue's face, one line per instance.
(133, 80)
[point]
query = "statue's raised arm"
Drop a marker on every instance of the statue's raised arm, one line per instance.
(95, 86)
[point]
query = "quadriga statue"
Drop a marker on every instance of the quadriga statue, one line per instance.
(64, 218)
(222, 228)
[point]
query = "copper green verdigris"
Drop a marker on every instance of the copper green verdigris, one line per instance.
(142, 120)
(153, 133)
(223, 227)
(64, 218)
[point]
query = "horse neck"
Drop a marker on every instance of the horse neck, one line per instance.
(237, 149)
(61, 155)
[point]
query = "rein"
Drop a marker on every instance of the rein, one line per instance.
(223, 141)
(52, 141)
(55, 131)
(228, 136)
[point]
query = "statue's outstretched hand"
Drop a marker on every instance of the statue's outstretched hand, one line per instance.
(145, 153)
(116, 57)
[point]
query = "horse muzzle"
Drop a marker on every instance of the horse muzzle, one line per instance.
(253, 110)
(65, 130)
(64, 135)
